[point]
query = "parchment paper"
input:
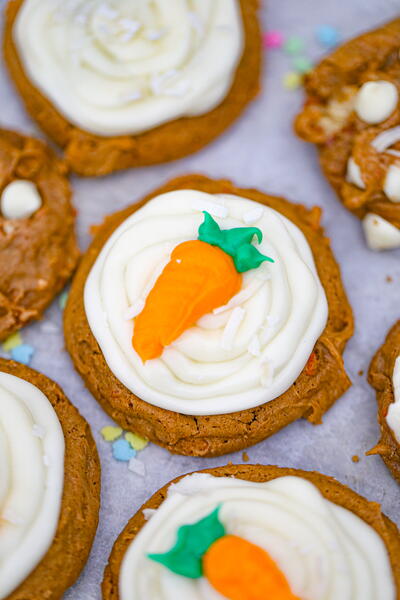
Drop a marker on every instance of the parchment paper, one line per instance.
(259, 151)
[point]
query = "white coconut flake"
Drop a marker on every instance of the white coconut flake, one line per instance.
(148, 513)
(216, 210)
(266, 373)
(232, 327)
(254, 347)
(38, 431)
(137, 466)
(253, 215)
(386, 139)
(241, 297)
(134, 310)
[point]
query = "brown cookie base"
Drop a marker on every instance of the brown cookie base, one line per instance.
(91, 155)
(373, 55)
(316, 389)
(380, 377)
(38, 254)
(332, 490)
(66, 557)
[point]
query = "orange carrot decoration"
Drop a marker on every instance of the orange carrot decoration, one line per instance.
(240, 570)
(236, 568)
(201, 275)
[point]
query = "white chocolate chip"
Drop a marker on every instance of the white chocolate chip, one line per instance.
(376, 100)
(391, 186)
(353, 174)
(380, 234)
(20, 200)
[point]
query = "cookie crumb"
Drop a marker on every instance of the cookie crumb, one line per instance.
(361, 372)
(245, 457)
(355, 458)
(389, 279)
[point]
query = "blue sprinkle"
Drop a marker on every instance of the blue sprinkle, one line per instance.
(123, 451)
(327, 36)
(23, 354)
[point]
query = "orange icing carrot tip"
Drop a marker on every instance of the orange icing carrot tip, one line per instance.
(198, 278)
(240, 570)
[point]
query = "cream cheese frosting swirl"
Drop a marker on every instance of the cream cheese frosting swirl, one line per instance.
(325, 551)
(31, 480)
(245, 353)
(393, 416)
(126, 66)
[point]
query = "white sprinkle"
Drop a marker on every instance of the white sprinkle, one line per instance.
(393, 152)
(267, 373)
(134, 310)
(196, 22)
(232, 327)
(179, 260)
(253, 215)
(132, 97)
(38, 431)
(148, 513)
(254, 347)
(216, 210)
(8, 228)
(106, 11)
(386, 139)
(241, 297)
(10, 516)
(155, 34)
(46, 460)
(137, 467)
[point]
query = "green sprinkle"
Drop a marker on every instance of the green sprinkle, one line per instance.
(293, 45)
(302, 64)
(62, 301)
(12, 342)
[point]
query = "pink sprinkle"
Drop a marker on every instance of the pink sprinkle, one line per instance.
(272, 39)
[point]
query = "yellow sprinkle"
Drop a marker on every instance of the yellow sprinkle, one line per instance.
(292, 80)
(111, 433)
(12, 342)
(137, 442)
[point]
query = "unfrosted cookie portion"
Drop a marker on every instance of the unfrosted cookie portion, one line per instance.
(352, 113)
(38, 246)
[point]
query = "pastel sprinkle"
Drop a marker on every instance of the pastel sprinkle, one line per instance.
(12, 342)
(302, 64)
(137, 467)
(292, 80)
(327, 36)
(62, 301)
(293, 45)
(122, 451)
(111, 433)
(272, 39)
(23, 354)
(137, 442)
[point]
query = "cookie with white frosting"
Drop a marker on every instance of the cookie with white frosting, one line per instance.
(126, 83)
(384, 376)
(38, 246)
(352, 113)
(49, 486)
(208, 317)
(254, 531)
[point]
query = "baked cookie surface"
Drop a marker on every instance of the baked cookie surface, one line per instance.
(46, 535)
(243, 396)
(150, 91)
(384, 376)
(352, 113)
(273, 508)
(38, 246)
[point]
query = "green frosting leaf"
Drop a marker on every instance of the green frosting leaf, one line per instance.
(236, 242)
(192, 542)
